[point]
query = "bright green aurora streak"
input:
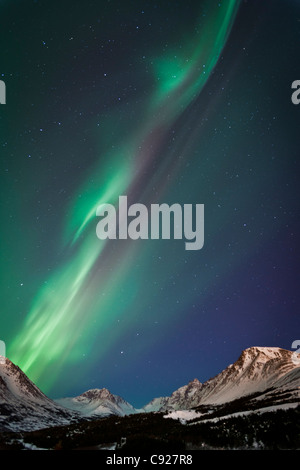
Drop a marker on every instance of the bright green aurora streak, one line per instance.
(79, 300)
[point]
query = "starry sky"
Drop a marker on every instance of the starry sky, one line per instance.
(176, 101)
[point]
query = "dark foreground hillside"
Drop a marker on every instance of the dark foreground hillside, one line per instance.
(152, 432)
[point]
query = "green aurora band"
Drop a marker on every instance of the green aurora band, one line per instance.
(78, 302)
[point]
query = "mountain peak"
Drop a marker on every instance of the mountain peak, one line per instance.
(98, 402)
(194, 382)
(6, 363)
(264, 354)
(98, 394)
(257, 370)
(264, 349)
(16, 383)
(23, 406)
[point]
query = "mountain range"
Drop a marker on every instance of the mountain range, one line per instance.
(261, 371)
(262, 378)
(98, 402)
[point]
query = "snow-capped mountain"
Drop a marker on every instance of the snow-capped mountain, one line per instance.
(156, 404)
(23, 406)
(260, 377)
(186, 395)
(259, 370)
(98, 402)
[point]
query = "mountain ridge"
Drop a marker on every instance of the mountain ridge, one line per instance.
(260, 375)
(23, 406)
(97, 402)
(256, 370)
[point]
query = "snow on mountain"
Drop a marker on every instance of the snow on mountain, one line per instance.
(265, 376)
(98, 402)
(186, 396)
(257, 370)
(23, 406)
(155, 405)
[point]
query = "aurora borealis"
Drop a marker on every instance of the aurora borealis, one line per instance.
(165, 102)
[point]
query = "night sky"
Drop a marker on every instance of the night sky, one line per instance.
(183, 102)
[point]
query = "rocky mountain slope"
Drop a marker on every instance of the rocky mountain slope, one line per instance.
(260, 371)
(261, 377)
(23, 406)
(98, 402)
